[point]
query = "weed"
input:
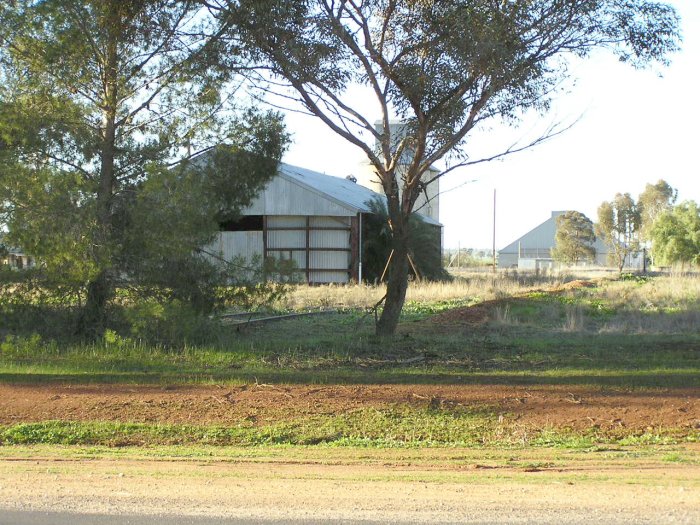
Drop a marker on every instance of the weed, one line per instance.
(574, 319)
(580, 336)
(402, 427)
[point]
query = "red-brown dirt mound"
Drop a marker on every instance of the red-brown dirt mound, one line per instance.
(481, 313)
(529, 406)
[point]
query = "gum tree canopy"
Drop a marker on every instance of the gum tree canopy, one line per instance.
(101, 104)
(574, 238)
(440, 67)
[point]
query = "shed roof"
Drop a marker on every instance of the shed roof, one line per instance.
(343, 191)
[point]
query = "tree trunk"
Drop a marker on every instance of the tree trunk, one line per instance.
(99, 290)
(396, 287)
(93, 319)
(397, 283)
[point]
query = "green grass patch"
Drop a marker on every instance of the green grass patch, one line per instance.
(370, 428)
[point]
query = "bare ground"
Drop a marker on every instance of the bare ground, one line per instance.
(539, 406)
(344, 486)
(394, 491)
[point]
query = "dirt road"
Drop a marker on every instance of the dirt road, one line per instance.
(344, 485)
(404, 487)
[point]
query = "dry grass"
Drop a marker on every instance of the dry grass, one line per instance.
(634, 322)
(658, 293)
(660, 305)
(575, 319)
(475, 286)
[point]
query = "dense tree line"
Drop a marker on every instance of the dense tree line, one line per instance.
(652, 226)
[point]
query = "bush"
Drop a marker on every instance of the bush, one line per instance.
(424, 245)
(171, 323)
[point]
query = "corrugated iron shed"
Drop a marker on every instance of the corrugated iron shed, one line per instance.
(343, 191)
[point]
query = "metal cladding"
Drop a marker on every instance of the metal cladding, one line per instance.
(309, 218)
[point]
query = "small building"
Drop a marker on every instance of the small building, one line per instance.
(533, 251)
(16, 258)
(312, 219)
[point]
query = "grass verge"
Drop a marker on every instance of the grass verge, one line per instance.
(368, 427)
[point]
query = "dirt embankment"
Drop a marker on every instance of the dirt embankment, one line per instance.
(530, 406)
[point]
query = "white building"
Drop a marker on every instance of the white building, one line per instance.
(533, 251)
(427, 203)
(16, 259)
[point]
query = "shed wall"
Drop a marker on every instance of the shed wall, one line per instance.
(321, 247)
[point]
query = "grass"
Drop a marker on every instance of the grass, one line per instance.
(396, 427)
(470, 288)
(627, 333)
(607, 466)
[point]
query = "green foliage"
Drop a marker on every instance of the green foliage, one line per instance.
(172, 323)
(676, 235)
(424, 245)
(398, 427)
(618, 225)
(635, 278)
(653, 201)
(574, 238)
(103, 109)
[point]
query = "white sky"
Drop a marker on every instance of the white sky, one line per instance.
(636, 127)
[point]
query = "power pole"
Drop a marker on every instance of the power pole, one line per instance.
(494, 231)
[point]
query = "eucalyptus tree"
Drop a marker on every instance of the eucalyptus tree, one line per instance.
(676, 235)
(443, 69)
(101, 103)
(653, 201)
(618, 225)
(574, 238)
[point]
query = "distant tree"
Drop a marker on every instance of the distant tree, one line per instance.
(443, 69)
(653, 201)
(574, 238)
(676, 235)
(102, 104)
(618, 225)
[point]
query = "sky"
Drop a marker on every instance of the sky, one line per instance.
(631, 128)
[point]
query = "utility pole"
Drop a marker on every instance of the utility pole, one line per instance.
(494, 231)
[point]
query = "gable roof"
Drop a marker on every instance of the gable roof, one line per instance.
(543, 237)
(343, 191)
